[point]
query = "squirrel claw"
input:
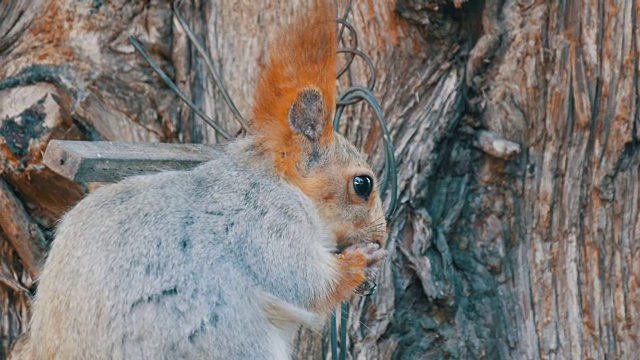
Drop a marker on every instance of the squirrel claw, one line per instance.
(367, 288)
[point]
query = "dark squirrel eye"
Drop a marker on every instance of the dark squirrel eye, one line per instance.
(363, 184)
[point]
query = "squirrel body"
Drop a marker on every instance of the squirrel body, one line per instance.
(226, 260)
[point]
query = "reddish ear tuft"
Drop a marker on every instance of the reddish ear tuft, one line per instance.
(296, 91)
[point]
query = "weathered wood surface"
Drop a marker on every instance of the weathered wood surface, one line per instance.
(111, 161)
(496, 253)
(23, 233)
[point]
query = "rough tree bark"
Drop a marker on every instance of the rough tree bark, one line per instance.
(515, 124)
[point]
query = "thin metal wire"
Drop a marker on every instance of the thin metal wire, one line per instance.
(177, 90)
(347, 9)
(344, 318)
(354, 35)
(334, 336)
(372, 68)
(217, 80)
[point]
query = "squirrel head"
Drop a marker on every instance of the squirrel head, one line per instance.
(294, 105)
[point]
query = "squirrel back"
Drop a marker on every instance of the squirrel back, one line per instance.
(228, 259)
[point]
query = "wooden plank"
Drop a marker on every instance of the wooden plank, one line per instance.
(107, 161)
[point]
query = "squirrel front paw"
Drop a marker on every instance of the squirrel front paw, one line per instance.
(373, 256)
(356, 264)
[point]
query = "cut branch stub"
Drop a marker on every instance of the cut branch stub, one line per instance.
(106, 161)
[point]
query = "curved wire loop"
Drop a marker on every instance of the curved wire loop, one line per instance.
(391, 176)
(346, 25)
(371, 66)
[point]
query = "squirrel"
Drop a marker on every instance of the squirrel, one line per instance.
(227, 260)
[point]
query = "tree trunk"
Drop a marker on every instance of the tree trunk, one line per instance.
(516, 135)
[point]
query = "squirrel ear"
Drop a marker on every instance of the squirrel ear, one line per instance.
(308, 114)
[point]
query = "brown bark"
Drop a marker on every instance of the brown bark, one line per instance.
(515, 127)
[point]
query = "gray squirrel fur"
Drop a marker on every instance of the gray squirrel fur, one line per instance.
(223, 261)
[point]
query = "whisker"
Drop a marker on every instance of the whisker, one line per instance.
(363, 324)
(374, 225)
(378, 219)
